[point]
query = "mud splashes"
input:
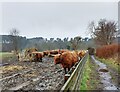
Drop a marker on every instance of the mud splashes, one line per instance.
(104, 76)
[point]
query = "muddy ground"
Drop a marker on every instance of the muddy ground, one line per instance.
(115, 76)
(31, 75)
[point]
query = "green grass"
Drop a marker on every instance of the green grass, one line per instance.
(5, 55)
(85, 75)
(90, 78)
(110, 63)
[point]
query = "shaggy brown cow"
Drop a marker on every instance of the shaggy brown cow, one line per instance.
(38, 56)
(46, 53)
(28, 51)
(63, 50)
(54, 52)
(66, 59)
(81, 54)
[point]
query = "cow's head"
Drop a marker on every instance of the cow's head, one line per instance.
(57, 58)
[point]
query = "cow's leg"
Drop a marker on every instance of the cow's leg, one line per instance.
(37, 59)
(40, 59)
(68, 69)
(65, 70)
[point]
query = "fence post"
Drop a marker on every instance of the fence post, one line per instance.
(66, 77)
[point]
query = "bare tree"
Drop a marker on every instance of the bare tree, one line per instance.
(75, 42)
(14, 39)
(104, 32)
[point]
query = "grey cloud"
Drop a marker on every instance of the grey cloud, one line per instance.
(55, 19)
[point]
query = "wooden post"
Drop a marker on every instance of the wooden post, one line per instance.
(66, 77)
(73, 68)
(76, 63)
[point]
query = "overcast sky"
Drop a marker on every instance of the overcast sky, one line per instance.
(52, 20)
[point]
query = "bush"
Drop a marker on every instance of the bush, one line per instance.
(108, 51)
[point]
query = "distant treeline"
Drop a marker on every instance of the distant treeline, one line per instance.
(42, 43)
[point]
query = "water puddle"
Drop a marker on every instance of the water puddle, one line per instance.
(105, 76)
(103, 70)
(4, 64)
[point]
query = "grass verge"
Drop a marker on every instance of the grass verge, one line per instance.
(90, 78)
(110, 63)
(85, 76)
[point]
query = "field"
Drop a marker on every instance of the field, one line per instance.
(30, 75)
(45, 75)
(5, 54)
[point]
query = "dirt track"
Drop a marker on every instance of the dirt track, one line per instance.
(105, 76)
(32, 75)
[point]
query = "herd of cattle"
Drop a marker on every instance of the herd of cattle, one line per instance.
(64, 57)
